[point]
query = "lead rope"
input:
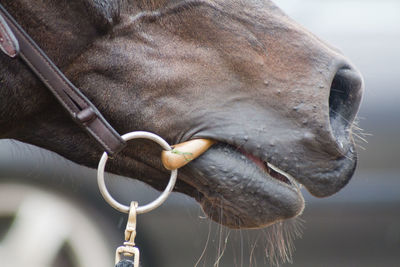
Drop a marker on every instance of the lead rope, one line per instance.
(129, 249)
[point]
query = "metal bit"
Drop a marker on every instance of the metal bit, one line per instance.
(185, 152)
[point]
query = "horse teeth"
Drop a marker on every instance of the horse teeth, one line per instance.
(289, 178)
(183, 153)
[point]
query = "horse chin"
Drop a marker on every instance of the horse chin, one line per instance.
(238, 191)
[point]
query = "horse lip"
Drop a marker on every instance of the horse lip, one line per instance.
(329, 183)
(269, 169)
(244, 191)
(318, 182)
(264, 165)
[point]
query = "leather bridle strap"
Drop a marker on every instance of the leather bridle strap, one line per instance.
(14, 42)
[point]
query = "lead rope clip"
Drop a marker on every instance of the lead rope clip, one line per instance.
(129, 249)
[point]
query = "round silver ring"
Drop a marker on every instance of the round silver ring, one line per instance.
(150, 206)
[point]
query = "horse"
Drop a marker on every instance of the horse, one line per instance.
(279, 102)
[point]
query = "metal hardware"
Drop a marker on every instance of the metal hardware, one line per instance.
(129, 249)
(150, 206)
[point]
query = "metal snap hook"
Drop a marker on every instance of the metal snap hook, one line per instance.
(150, 206)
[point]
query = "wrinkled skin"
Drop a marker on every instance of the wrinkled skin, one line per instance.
(239, 72)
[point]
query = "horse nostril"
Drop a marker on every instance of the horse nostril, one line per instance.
(344, 102)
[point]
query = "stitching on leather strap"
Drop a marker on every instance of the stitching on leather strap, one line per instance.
(51, 66)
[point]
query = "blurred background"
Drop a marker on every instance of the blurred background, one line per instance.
(51, 213)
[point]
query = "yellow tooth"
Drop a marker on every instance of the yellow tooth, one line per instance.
(181, 154)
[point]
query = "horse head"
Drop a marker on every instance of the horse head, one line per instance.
(279, 101)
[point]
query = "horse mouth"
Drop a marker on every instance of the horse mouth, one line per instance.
(270, 169)
(240, 190)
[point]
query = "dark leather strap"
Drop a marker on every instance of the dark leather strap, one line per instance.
(78, 106)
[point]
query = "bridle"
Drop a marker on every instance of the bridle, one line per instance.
(16, 43)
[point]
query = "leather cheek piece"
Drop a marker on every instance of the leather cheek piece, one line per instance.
(8, 43)
(15, 40)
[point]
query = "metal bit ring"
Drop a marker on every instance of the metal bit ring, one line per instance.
(150, 206)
